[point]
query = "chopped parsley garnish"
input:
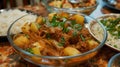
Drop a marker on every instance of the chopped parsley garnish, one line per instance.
(60, 44)
(27, 35)
(115, 46)
(73, 22)
(62, 41)
(77, 27)
(82, 37)
(65, 30)
(75, 34)
(38, 26)
(48, 36)
(111, 26)
(44, 20)
(54, 19)
(30, 50)
(57, 22)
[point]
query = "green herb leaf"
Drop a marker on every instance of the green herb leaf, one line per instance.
(48, 36)
(61, 24)
(118, 34)
(82, 37)
(73, 22)
(62, 41)
(77, 27)
(38, 26)
(55, 24)
(115, 46)
(27, 35)
(30, 50)
(75, 33)
(54, 18)
(111, 25)
(60, 44)
(44, 20)
(66, 30)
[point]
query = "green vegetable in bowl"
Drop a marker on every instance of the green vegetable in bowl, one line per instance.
(112, 25)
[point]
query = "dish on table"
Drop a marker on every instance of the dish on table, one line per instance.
(60, 39)
(7, 16)
(114, 61)
(87, 6)
(112, 24)
(114, 4)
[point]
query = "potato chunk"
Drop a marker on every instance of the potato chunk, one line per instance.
(51, 15)
(36, 50)
(21, 41)
(39, 20)
(69, 51)
(38, 46)
(33, 27)
(92, 44)
(63, 15)
(26, 28)
(79, 19)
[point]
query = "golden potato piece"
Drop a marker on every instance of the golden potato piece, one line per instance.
(63, 14)
(21, 41)
(39, 20)
(26, 28)
(40, 45)
(92, 44)
(33, 27)
(69, 51)
(78, 18)
(36, 59)
(36, 50)
(50, 16)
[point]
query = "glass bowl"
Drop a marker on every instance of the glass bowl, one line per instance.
(114, 61)
(64, 5)
(67, 60)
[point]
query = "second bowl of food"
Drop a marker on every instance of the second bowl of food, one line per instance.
(84, 6)
(60, 39)
(112, 24)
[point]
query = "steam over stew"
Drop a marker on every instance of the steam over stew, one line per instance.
(59, 34)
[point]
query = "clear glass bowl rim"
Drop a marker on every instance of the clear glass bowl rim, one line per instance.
(112, 59)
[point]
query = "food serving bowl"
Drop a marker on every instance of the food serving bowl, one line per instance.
(114, 61)
(86, 6)
(112, 24)
(66, 47)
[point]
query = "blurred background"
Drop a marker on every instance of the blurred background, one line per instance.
(16, 3)
(30, 5)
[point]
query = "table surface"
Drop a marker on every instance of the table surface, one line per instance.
(100, 60)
